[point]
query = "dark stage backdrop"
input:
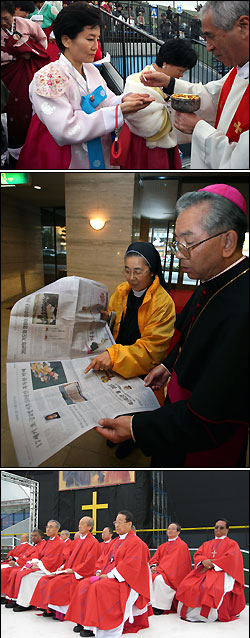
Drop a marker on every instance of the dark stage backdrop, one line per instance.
(198, 498)
(65, 506)
(194, 499)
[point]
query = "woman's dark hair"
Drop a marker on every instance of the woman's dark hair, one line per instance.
(25, 6)
(177, 52)
(72, 19)
(8, 6)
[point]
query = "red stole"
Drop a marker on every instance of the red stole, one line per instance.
(240, 121)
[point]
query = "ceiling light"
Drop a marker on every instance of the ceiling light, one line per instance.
(37, 187)
(97, 223)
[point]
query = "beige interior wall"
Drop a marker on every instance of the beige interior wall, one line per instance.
(95, 254)
(22, 261)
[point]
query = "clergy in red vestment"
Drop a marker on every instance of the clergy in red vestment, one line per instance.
(169, 565)
(215, 589)
(107, 534)
(120, 589)
(56, 592)
(65, 536)
(17, 551)
(10, 579)
(51, 558)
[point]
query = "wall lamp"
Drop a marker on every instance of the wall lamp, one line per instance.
(97, 223)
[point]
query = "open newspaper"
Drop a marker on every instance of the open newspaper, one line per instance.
(53, 335)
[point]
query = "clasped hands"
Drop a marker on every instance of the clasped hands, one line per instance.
(207, 565)
(184, 122)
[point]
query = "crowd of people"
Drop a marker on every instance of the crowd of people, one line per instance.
(58, 112)
(114, 586)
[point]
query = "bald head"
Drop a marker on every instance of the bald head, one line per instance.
(86, 525)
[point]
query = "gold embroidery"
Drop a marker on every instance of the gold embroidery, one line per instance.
(237, 127)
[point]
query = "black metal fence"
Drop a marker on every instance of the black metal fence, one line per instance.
(132, 48)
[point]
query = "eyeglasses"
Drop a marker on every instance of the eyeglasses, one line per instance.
(176, 246)
(138, 272)
(219, 527)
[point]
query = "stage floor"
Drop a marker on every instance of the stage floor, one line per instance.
(28, 624)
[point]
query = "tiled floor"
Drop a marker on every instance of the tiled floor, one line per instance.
(28, 625)
(88, 450)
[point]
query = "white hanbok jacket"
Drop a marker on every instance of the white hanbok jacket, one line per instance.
(55, 93)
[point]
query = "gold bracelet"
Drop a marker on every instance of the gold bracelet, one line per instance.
(131, 430)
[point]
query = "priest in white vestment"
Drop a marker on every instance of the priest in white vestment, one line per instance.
(220, 128)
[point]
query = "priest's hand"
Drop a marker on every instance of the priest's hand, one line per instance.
(186, 122)
(101, 362)
(116, 430)
(207, 563)
(155, 78)
(157, 377)
(103, 576)
(68, 571)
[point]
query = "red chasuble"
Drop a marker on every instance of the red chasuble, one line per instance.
(8, 584)
(59, 589)
(205, 587)
(173, 562)
(16, 551)
(51, 556)
(102, 603)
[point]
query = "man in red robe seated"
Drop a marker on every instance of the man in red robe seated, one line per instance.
(55, 592)
(52, 557)
(120, 589)
(11, 560)
(107, 534)
(65, 536)
(11, 578)
(215, 589)
(169, 565)
(16, 551)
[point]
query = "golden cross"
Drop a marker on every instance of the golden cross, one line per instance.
(94, 507)
(237, 127)
(213, 554)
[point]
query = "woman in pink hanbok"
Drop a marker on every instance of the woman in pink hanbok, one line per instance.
(75, 112)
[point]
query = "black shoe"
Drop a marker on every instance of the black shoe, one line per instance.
(86, 632)
(77, 628)
(51, 613)
(125, 448)
(10, 604)
(3, 600)
(20, 608)
(157, 612)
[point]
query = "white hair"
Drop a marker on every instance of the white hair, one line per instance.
(226, 13)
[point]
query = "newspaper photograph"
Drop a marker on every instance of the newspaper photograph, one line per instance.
(53, 335)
